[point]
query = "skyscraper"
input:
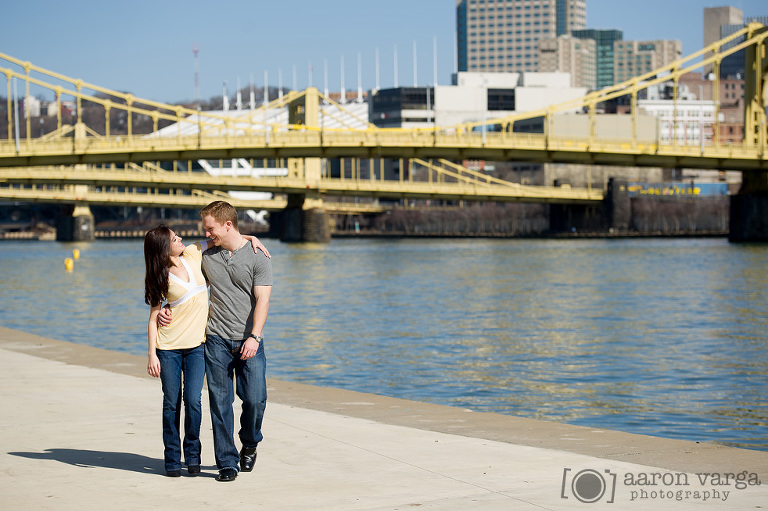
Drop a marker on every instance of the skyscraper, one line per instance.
(732, 66)
(604, 40)
(570, 55)
(714, 19)
(503, 35)
(634, 58)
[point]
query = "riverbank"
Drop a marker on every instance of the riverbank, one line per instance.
(81, 428)
(559, 236)
(138, 233)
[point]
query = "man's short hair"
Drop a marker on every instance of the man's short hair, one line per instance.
(221, 211)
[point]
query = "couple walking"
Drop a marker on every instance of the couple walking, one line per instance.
(187, 339)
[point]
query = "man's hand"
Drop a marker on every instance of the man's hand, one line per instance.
(257, 245)
(249, 348)
(164, 316)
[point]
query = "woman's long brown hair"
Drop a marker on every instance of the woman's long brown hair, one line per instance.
(157, 258)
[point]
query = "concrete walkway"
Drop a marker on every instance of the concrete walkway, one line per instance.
(80, 429)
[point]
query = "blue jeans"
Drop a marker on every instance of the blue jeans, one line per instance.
(187, 365)
(222, 362)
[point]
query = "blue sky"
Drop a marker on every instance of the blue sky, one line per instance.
(145, 47)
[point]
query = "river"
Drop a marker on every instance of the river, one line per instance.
(664, 337)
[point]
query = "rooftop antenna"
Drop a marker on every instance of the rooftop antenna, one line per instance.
(396, 67)
(325, 80)
(239, 95)
(415, 74)
(195, 51)
(266, 89)
(359, 78)
(343, 89)
(225, 99)
(252, 98)
(265, 100)
(280, 83)
(434, 59)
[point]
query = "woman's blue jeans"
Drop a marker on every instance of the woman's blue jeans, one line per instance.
(181, 374)
(222, 364)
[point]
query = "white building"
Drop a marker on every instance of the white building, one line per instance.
(30, 107)
(473, 97)
(690, 121)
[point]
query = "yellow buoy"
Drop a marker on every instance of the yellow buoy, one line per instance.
(76, 254)
(69, 264)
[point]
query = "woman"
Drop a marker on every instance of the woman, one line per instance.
(175, 352)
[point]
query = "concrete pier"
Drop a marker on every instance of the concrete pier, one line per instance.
(75, 224)
(749, 209)
(299, 223)
(612, 216)
(81, 429)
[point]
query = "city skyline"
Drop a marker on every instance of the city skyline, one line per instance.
(149, 52)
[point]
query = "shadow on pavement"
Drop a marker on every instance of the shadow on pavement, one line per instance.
(90, 459)
(104, 459)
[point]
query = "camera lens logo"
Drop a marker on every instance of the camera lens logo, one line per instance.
(589, 485)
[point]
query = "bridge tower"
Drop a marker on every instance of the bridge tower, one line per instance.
(76, 221)
(749, 208)
(304, 218)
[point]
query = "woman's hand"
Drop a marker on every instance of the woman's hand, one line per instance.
(153, 365)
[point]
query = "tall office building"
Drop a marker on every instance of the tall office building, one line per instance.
(732, 66)
(604, 40)
(567, 54)
(503, 35)
(633, 58)
(714, 19)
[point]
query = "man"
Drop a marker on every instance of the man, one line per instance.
(240, 287)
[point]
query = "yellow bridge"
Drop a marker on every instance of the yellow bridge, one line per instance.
(84, 161)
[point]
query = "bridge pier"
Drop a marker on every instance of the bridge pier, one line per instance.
(749, 209)
(75, 224)
(303, 220)
(612, 216)
(617, 207)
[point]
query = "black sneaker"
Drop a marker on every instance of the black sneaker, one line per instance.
(193, 470)
(173, 473)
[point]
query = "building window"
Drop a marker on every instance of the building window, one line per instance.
(501, 99)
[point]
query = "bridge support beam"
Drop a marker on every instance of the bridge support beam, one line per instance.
(75, 224)
(613, 216)
(303, 220)
(617, 206)
(749, 209)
